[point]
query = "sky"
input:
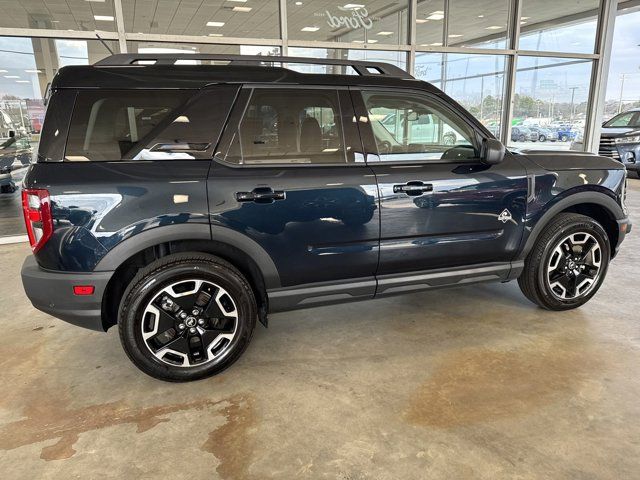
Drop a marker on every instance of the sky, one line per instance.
(625, 58)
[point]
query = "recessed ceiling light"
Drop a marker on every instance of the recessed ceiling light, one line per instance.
(11, 76)
(421, 20)
(372, 41)
(33, 71)
(309, 29)
(215, 24)
(358, 41)
(494, 27)
(353, 6)
(242, 9)
(437, 15)
(385, 34)
(436, 44)
(525, 18)
(215, 34)
(104, 18)
(237, 1)
(455, 35)
(23, 81)
(298, 3)
(523, 23)
(96, 1)
(480, 16)
(3, 71)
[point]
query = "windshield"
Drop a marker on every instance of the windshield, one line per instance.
(628, 119)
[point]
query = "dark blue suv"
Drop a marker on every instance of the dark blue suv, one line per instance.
(185, 202)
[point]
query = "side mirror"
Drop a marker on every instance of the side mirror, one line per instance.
(492, 151)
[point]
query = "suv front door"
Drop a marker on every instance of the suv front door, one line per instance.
(290, 174)
(440, 206)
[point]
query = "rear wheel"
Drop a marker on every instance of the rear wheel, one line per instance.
(187, 316)
(567, 264)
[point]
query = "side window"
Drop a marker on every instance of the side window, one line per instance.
(116, 125)
(292, 126)
(415, 128)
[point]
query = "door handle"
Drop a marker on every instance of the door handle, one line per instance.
(261, 195)
(413, 188)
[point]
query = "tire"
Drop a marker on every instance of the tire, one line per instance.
(144, 309)
(521, 138)
(537, 282)
(564, 138)
(542, 138)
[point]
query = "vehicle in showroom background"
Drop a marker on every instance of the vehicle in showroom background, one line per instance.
(620, 140)
(169, 249)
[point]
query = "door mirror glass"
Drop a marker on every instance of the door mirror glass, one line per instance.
(492, 151)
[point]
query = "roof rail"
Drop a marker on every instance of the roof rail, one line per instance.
(361, 67)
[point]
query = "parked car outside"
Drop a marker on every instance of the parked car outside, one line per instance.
(620, 140)
(523, 134)
(544, 134)
(565, 132)
(185, 203)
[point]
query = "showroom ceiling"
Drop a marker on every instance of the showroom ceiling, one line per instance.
(307, 20)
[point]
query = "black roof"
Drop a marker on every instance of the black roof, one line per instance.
(125, 71)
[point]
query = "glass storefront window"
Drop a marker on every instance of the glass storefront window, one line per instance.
(213, 18)
(477, 83)
(190, 48)
(75, 15)
(365, 21)
(551, 94)
(478, 24)
(428, 67)
(395, 58)
(568, 26)
(430, 23)
(474, 81)
(27, 65)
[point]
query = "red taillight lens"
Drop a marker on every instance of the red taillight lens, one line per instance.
(83, 289)
(36, 207)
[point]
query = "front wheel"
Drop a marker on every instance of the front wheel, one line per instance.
(186, 316)
(567, 264)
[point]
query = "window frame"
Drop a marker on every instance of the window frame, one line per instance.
(242, 104)
(442, 101)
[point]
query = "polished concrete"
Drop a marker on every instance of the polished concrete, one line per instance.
(473, 382)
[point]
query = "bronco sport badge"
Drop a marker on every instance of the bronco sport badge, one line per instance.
(505, 216)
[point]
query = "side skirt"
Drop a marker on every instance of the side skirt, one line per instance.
(328, 293)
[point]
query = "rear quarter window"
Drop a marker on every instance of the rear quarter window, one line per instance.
(124, 125)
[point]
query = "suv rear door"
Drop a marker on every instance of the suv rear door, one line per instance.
(289, 173)
(440, 206)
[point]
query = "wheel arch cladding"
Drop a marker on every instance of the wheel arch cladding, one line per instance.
(599, 206)
(252, 261)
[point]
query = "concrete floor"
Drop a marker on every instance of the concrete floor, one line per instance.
(473, 382)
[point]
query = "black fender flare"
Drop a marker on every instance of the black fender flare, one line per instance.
(571, 200)
(192, 231)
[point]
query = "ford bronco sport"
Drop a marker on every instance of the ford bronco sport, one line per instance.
(185, 197)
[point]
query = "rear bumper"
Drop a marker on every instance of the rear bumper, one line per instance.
(52, 293)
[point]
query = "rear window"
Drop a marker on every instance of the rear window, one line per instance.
(122, 125)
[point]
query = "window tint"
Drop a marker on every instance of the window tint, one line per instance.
(414, 128)
(115, 125)
(298, 126)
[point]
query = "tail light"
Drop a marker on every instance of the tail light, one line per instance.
(36, 207)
